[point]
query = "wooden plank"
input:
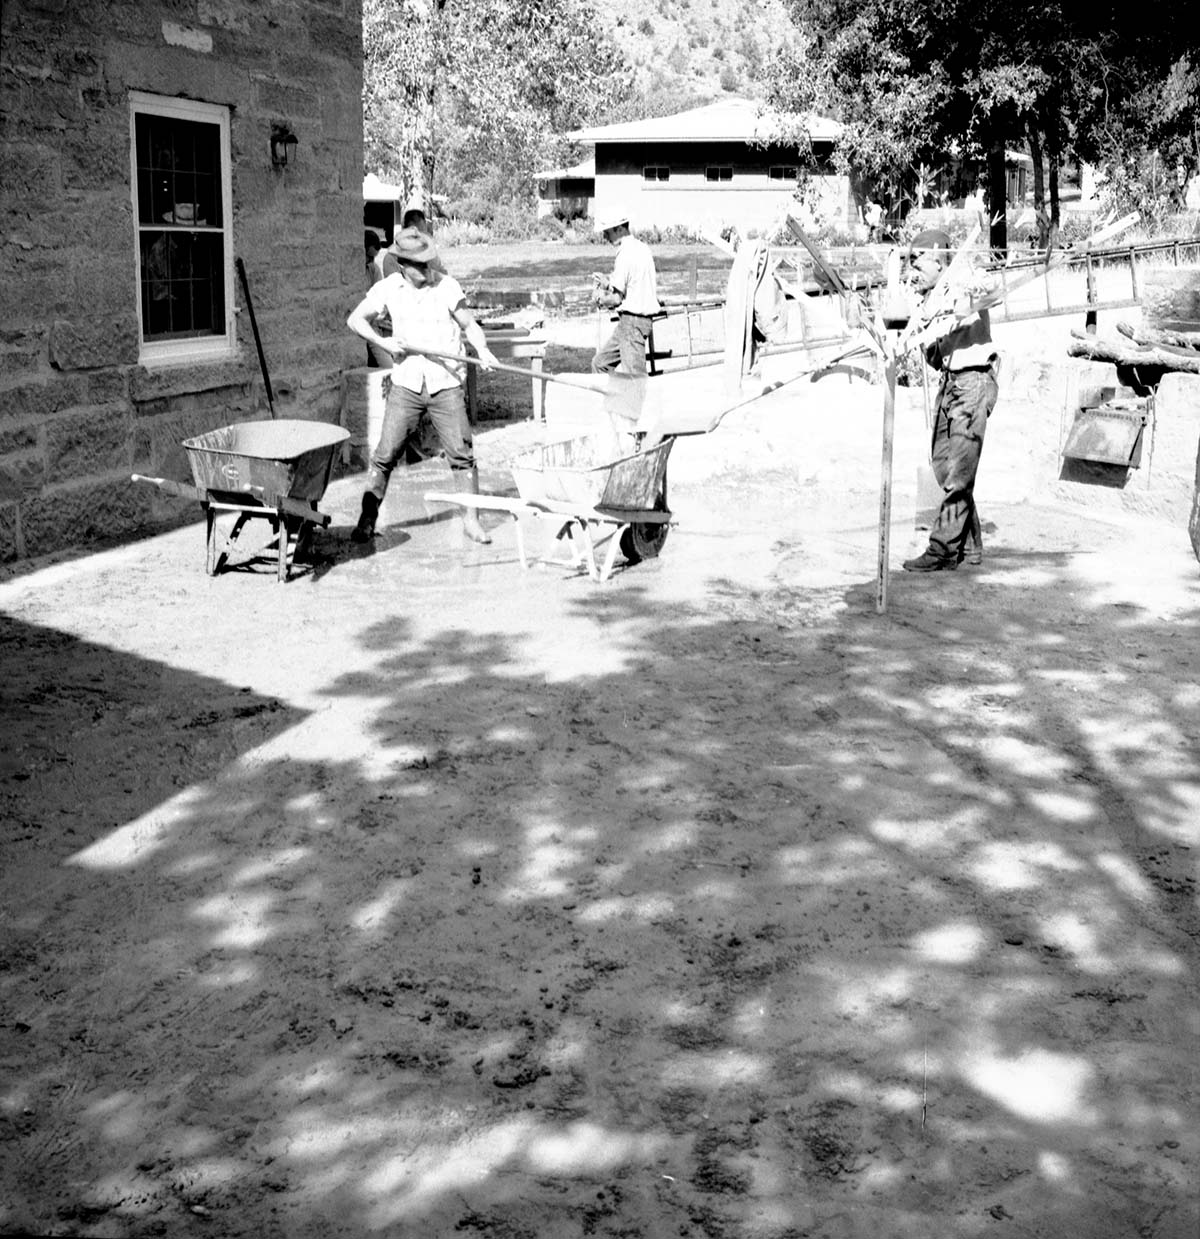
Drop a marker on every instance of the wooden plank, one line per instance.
(487, 503)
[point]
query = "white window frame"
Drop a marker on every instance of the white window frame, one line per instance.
(783, 172)
(718, 174)
(198, 348)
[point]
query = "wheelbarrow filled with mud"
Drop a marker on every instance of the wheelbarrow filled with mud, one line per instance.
(578, 483)
(273, 471)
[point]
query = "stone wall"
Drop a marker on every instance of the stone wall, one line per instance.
(78, 413)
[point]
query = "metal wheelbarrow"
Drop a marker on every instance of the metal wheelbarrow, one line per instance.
(576, 482)
(268, 470)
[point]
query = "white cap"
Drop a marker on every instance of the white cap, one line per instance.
(613, 217)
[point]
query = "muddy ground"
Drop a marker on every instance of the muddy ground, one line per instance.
(425, 895)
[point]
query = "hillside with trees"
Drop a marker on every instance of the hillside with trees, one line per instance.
(470, 98)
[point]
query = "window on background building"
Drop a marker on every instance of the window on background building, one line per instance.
(718, 173)
(781, 172)
(656, 172)
(181, 204)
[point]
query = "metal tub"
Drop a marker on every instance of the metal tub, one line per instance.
(288, 457)
(576, 471)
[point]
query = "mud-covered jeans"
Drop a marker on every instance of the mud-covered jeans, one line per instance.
(447, 411)
(965, 402)
(626, 347)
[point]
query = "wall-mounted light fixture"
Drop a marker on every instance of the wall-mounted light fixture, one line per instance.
(283, 146)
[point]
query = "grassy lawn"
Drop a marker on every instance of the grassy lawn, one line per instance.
(547, 266)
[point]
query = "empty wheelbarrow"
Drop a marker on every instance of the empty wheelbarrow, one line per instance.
(275, 471)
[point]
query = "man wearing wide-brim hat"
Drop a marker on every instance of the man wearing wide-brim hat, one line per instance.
(631, 290)
(429, 318)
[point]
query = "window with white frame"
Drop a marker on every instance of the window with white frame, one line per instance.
(718, 173)
(782, 172)
(180, 158)
(656, 172)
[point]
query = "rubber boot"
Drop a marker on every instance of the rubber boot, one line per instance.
(466, 481)
(364, 531)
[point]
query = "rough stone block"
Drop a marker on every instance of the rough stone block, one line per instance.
(223, 15)
(93, 343)
(103, 286)
(1178, 398)
(30, 171)
(283, 99)
(216, 381)
(42, 397)
(21, 475)
(23, 437)
(102, 510)
(11, 545)
(83, 444)
(108, 387)
(33, 294)
(21, 355)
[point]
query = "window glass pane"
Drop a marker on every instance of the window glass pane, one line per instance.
(183, 285)
(179, 166)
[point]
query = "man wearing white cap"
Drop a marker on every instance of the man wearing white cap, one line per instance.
(631, 290)
(429, 317)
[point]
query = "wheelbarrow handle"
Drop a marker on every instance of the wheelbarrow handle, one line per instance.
(181, 490)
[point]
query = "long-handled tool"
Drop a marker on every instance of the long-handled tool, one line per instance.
(262, 361)
(579, 385)
(540, 375)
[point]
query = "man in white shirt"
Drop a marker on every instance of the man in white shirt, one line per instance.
(429, 316)
(631, 290)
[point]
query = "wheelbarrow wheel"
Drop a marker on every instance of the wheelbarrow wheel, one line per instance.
(645, 540)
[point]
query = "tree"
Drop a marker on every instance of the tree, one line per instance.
(451, 86)
(914, 80)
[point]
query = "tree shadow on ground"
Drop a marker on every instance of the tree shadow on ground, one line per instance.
(755, 928)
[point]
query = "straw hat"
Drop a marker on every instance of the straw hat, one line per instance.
(412, 245)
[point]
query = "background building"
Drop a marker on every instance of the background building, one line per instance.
(712, 167)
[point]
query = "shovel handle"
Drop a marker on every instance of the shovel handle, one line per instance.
(540, 375)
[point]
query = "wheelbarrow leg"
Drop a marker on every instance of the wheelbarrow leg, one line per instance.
(211, 558)
(218, 545)
(588, 550)
(610, 556)
(281, 524)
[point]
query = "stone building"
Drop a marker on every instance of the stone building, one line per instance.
(153, 151)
